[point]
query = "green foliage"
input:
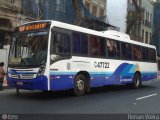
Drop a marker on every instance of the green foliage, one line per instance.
(157, 3)
(134, 19)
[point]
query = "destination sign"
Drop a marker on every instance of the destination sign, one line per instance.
(33, 26)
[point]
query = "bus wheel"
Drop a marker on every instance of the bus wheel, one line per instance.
(80, 85)
(137, 83)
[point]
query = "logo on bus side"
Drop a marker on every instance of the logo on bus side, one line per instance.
(101, 64)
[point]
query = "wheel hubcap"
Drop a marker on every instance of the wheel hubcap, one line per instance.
(80, 84)
(137, 82)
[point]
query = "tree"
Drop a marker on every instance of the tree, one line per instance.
(77, 9)
(134, 18)
(40, 10)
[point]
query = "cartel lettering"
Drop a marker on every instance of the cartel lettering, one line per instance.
(101, 64)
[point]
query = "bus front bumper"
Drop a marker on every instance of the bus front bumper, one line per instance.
(39, 83)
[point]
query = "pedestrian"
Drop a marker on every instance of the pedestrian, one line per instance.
(2, 74)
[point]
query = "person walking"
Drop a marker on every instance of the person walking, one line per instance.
(2, 74)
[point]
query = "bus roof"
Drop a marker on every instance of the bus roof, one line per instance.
(112, 34)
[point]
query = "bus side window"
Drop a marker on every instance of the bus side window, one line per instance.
(76, 43)
(112, 48)
(84, 44)
(145, 52)
(137, 52)
(80, 43)
(118, 50)
(101, 47)
(97, 46)
(93, 46)
(126, 51)
(66, 43)
(60, 43)
(152, 55)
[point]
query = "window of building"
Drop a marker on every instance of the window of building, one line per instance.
(146, 37)
(147, 17)
(94, 10)
(88, 5)
(150, 17)
(101, 12)
(150, 38)
(142, 35)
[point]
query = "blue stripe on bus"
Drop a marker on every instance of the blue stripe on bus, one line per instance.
(122, 75)
(65, 80)
(127, 69)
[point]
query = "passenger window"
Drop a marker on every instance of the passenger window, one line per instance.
(101, 46)
(60, 43)
(137, 52)
(113, 48)
(84, 44)
(76, 43)
(126, 51)
(145, 52)
(80, 43)
(93, 46)
(152, 55)
(97, 46)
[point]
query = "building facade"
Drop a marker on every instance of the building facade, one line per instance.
(77, 12)
(156, 30)
(10, 17)
(96, 7)
(134, 17)
(147, 22)
(9, 13)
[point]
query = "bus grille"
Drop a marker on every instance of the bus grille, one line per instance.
(23, 76)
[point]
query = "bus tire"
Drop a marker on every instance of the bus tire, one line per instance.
(137, 83)
(80, 85)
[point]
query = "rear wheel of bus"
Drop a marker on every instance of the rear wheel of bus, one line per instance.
(80, 85)
(137, 83)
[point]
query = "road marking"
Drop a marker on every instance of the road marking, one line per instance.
(146, 96)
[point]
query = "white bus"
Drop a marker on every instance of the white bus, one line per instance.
(51, 56)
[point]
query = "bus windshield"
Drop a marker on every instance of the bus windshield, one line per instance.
(28, 49)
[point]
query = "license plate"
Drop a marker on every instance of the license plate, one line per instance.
(19, 83)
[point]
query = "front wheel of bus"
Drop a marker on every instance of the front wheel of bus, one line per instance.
(80, 85)
(137, 81)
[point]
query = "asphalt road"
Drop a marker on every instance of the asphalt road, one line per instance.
(104, 100)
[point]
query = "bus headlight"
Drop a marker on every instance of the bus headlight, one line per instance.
(41, 71)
